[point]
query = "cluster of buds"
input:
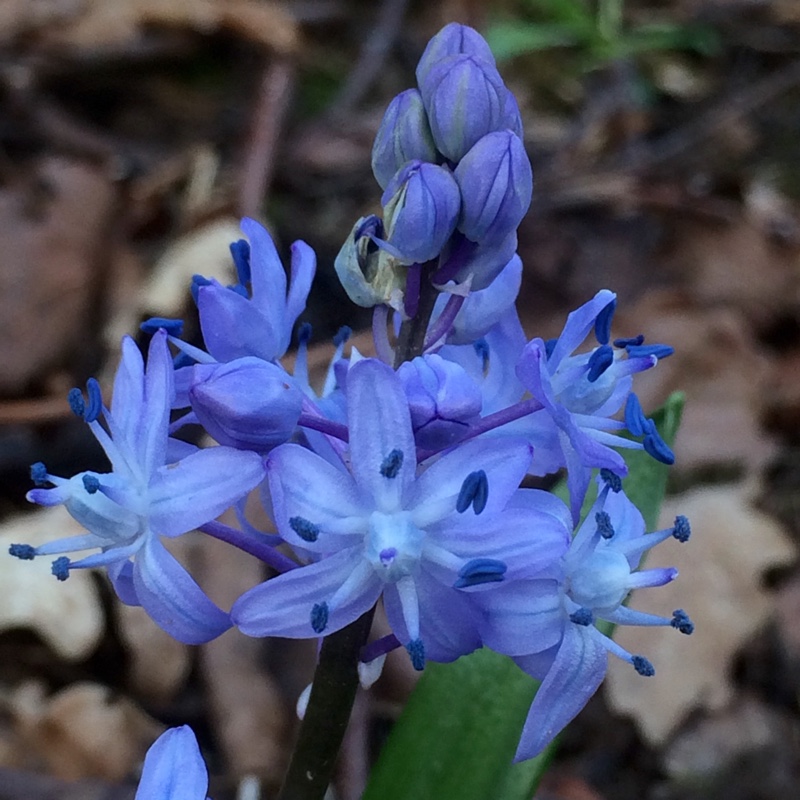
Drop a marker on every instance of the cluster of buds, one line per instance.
(455, 176)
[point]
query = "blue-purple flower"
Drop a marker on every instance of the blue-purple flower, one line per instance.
(380, 529)
(157, 488)
(548, 624)
(174, 768)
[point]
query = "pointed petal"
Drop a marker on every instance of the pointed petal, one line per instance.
(128, 397)
(173, 768)
(200, 487)
(120, 574)
(303, 484)
(380, 423)
(304, 266)
(448, 619)
(233, 327)
(577, 671)
(268, 277)
(505, 462)
(578, 325)
(159, 390)
(172, 598)
(282, 606)
(521, 617)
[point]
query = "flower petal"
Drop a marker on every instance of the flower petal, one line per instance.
(282, 606)
(305, 485)
(577, 671)
(200, 487)
(172, 598)
(578, 325)
(159, 390)
(268, 277)
(380, 423)
(304, 266)
(128, 397)
(173, 768)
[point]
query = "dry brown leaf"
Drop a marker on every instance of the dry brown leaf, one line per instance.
(52, 228)
(84, 731)
(68, 615)
(158, 664)
(720, 588)
(718, 367)
(113, 23)
(204, 252)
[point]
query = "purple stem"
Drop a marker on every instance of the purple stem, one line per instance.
(380, 335)
(443, 325)
(490, 422)
(413, 283)
(380, 647)
(249, 544)
(323, 425)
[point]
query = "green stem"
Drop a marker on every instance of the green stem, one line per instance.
(336, 677)
(325, 722)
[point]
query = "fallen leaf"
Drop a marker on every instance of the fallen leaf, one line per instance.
(720, 588)
(67, 615)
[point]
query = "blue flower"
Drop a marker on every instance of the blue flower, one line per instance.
(379, 529)
(173, 768)
(580, 393)
(547, 624)
(157, 488)
(237, 323)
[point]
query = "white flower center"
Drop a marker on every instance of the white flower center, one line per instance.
(393, 545)
(601, 581)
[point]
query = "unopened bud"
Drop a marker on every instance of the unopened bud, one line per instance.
(496, 183)
(452, 40)
(404, 136)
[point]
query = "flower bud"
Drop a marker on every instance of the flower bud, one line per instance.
(442, 398)
(369, 274)
(421, 205)
(511, 118)
(496, 183)
(452, 40)
(465, 99)
(248, 403)
(480, 261)
(404, 136)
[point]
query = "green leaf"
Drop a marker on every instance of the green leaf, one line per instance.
(511, 39)
(457, 736)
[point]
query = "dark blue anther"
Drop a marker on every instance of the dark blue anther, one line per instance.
(390, 467)
(174, 327)
(644, 350)
(416, 649)
(91, 483)
(549, 346)
(482, 349)
(602, 325)
(76, 402)
(319, 617)
(25, 552)
(632, 342)
(307, 531)
(183, 360)
(682, 529)
(656, 446)
(614, 482)
(240, 251)
(643, 666)
(583, 616)
(681, 621)
(60, 568)
(304, 333)
(342, 335)
(599, 361)
(474, 492)
(39, 474)
(635, 420)
(240, 290)
(198, 281)
(480, 570)
(95, 404)
(604, 526)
